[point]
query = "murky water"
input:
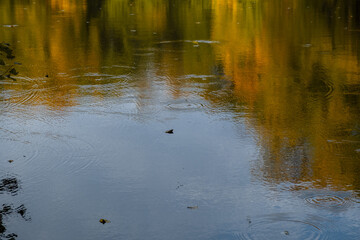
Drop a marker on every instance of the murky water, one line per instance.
(263, 98)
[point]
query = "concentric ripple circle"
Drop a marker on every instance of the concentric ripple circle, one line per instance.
(326, 201)
(283, 226)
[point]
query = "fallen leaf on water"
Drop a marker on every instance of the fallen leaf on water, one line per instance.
(193, 207)
(10, 161)
(103, 221)
(171, 131)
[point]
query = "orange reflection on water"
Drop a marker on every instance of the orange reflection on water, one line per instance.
(294, 68)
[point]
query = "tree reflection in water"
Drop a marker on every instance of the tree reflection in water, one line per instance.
(11, 186)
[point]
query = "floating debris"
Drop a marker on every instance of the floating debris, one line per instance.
(192, 207)
(171, 131)
(10, 161)
(103, 221)
(307, 45)
(46, 75)
(10, 25)
(286, 233)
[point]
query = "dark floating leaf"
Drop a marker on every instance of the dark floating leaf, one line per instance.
(171, 131)
(192, 207)
(103, 221)
(10, 161)
(286, 233)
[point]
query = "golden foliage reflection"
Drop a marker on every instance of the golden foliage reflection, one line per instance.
(292, 66)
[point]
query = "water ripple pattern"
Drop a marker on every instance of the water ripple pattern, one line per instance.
(102, 84)
(286, 226)
(320, 82)
(16, 147)
(24, 91)
(69, 154)
(328, 200)
(185, 105)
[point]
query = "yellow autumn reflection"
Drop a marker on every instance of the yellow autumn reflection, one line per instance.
(306, 101)
(291, 66)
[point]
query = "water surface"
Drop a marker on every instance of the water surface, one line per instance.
(263, 97)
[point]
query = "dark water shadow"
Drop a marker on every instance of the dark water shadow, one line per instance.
(10, 185)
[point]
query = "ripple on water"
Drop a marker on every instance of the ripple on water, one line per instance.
(186, 105)
(355, 197)
(24, 91)
(54, 155)
(38, 154)
(15, 147)
(329, 200)
(72, 154)
(320, 83)
(189, 41)
(286, 226)
(107, 84)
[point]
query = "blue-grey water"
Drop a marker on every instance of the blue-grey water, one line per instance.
(263, 98)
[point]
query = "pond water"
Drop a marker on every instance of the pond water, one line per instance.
(263, 98)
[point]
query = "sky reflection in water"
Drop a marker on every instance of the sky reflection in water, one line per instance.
(263, 97)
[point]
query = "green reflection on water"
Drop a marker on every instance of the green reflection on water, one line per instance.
(291, 66)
